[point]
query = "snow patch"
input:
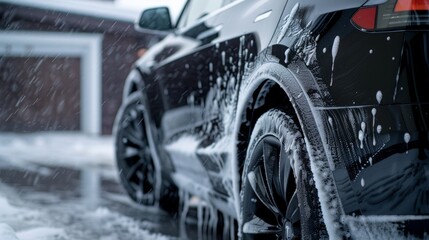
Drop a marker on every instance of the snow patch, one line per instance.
(7, 232)
(58, 149)
(42, 233)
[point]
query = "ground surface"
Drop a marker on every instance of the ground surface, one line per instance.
(65, 186)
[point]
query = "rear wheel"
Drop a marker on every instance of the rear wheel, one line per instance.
(137, 167)
(276, 203)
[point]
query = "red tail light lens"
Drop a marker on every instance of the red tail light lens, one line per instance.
(392, 15)
(411, 5)
(365, 18)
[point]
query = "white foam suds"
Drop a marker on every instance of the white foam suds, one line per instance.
(334, 52)
(287, 52)
(374, 112)
(223, 58)
(288, 20)
(379, 128)
(407, 137)
(360, 136)
(379, 96)
(363, 126)
(383, 227)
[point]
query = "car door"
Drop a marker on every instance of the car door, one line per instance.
(184, 78)
(197, 85)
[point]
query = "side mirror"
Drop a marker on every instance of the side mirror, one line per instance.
(155, 19)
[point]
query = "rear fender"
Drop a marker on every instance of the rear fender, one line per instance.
(300, 95)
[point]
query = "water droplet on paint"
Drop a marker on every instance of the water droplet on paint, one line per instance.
(379, 96)
(407, 137)
(330, 121)
(379, 128)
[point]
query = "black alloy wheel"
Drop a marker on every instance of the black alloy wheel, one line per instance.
(272, 195)
(135, 163)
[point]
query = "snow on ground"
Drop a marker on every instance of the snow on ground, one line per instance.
(30, 214)
(66, 221)
(68, 149)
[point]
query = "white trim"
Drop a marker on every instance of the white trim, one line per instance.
(86, 46)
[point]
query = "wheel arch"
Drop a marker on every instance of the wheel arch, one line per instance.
(262, 88)
(265, 89)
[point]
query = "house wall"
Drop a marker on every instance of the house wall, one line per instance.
(36, 98)
(119, 51)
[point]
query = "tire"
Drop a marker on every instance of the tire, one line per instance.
(279, 200)
(137, 167)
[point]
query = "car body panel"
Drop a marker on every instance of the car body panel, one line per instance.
(365, 123)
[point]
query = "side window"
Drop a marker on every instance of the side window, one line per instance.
(196, 9)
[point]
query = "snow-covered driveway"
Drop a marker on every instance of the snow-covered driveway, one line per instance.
(65, 186)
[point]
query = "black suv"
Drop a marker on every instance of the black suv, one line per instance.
(300, 119)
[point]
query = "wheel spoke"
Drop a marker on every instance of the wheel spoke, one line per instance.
(133, 138)
(131, 160)
(271, 155)
(292, 213)
(146, 152)
(132, 171)
(259, 226)
(283, 176)
(260, 188)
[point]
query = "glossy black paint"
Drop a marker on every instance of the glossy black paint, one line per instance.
(357, 113)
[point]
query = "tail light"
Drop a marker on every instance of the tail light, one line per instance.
(392, 15)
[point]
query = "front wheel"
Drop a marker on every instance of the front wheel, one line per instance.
(278, 201)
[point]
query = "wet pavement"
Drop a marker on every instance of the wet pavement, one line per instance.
(89, 203)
